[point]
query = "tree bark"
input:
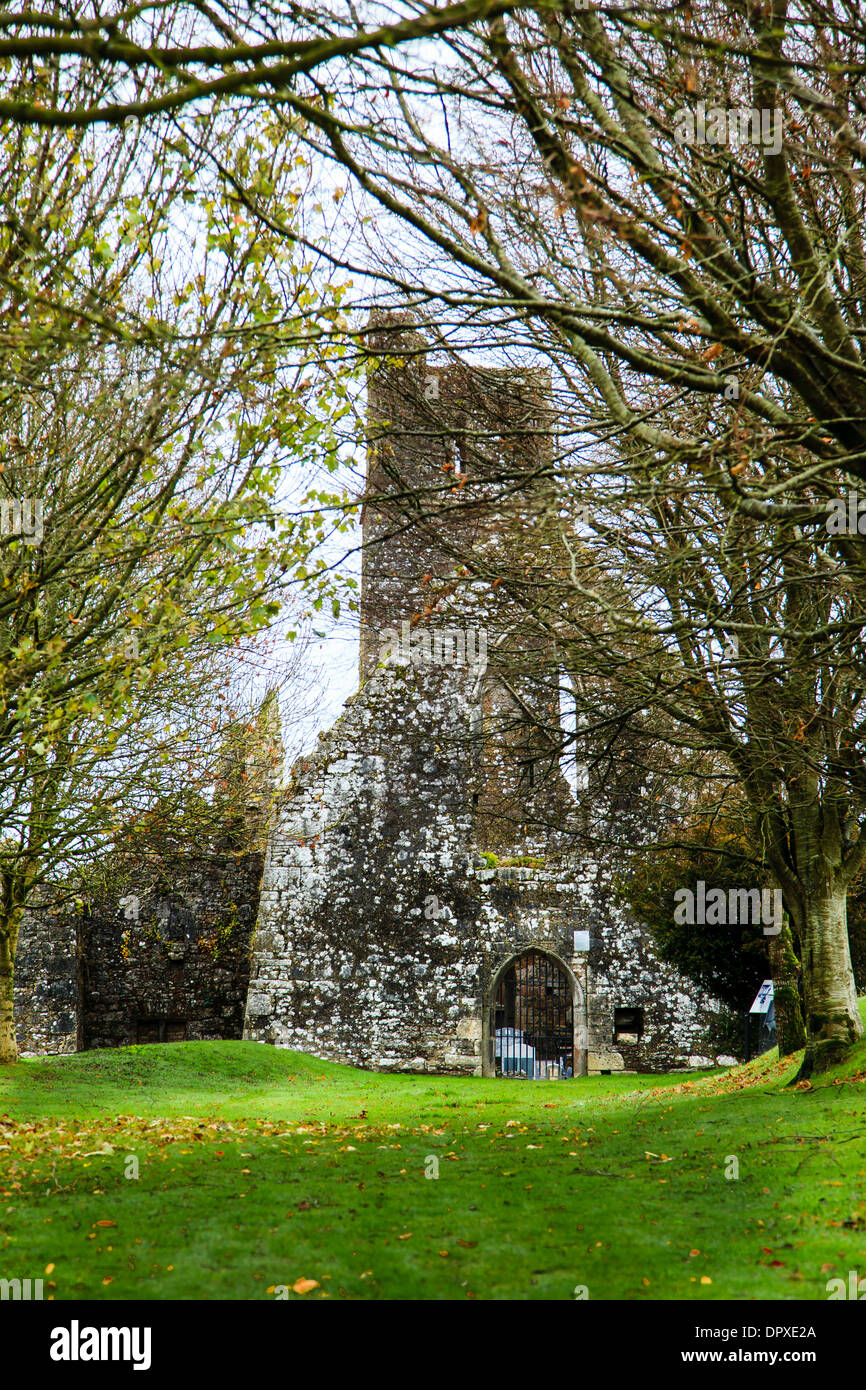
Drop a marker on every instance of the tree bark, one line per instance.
(790, 1028)
(833, 1021)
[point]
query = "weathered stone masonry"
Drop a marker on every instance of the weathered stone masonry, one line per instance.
(156, 947)
(47, 983)
(165, 959)
(181, 969)
(383, 931)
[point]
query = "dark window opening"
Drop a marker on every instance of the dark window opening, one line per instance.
(160, 1030)
(627, 1025)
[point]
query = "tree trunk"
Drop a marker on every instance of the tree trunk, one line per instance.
(790, 1028)
(833, 1021)
(8, 942)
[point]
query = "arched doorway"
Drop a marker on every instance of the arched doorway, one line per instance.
(531, 1019)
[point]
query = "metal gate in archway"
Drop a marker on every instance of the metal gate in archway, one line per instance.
(534, 1020)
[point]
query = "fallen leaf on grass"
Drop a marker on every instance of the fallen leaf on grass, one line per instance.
(304, 1285)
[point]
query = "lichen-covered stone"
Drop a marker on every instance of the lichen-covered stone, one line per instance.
(386, 952)
(383, 928)
(46, 982)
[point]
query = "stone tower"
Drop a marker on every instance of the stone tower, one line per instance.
(458, 493)
(425, 904)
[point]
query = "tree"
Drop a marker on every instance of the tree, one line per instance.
(732, 958)
(730, 961)
(155, 383)
(600, 172)
(135, 62)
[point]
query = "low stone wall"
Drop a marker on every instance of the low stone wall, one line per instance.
(163, 955)
(170, 959)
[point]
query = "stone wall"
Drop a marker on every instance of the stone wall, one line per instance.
(47, 982)
(443, 517)
(349, 961)
(382, 930)
(169, 958)
(151, 943)
(161, 955)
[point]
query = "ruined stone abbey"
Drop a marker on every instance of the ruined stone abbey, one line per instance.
(420, 896)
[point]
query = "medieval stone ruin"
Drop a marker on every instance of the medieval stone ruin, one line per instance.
(427, 899)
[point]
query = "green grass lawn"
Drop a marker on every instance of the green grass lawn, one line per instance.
(259, 1168)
